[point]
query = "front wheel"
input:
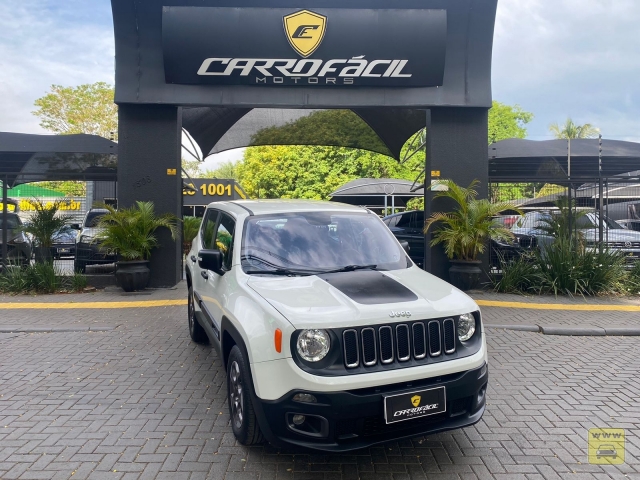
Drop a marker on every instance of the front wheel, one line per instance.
(196, 332)
(243, 418)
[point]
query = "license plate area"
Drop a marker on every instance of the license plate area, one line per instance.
(408, 406)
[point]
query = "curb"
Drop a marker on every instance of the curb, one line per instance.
(582, 331)
(97, 328)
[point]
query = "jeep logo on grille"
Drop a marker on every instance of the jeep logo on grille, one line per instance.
(400, 314)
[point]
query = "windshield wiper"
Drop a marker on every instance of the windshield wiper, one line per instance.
(351, 268)
(285, 272)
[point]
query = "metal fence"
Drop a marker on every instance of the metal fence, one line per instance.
(602, 213)
(75, 200)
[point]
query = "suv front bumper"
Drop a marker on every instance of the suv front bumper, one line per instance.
(354, 419)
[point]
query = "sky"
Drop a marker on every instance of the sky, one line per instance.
(555, 58)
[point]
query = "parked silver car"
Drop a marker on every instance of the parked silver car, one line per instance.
(615, 237)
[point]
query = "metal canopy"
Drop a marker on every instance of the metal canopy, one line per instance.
(376, 192)
(517, 160)
(381, 130)
(28, 158)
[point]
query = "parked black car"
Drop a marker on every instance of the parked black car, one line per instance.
(408, 226)
(18, 245)
(64, 242)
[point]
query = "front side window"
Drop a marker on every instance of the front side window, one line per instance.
(318, 242)
(224, 239)
(207, 229)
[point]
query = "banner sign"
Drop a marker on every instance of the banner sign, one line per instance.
(319, 47)
(203, 191)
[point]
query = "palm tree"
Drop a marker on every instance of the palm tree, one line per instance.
(570, 130)
(466, 230)
(130, 232)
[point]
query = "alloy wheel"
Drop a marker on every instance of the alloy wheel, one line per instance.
(236, 395)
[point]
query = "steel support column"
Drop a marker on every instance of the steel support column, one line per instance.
(149, 158)
(457, 147)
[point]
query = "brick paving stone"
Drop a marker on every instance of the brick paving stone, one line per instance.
(143, 402)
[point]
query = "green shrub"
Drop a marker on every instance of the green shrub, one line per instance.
(518, 276)
(76, 282)
(14, 280)
(564, 268)
(633, 281)
(36, 278)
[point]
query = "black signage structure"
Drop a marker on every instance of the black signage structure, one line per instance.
(268, 46)
(385, 61)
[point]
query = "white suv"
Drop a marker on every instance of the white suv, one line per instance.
(330, 336)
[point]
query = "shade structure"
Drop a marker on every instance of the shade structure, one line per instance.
(385, 131)
(517, 160)
(28, 158)
(376, 192)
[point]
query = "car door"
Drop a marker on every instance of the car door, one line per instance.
(217, 286)
(416, 241)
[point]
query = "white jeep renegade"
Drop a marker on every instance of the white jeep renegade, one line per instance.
(331, 337)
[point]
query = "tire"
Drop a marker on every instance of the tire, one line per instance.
(243, 418)
(196, 332)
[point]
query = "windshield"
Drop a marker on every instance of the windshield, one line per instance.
(319, 242)
(93, 218)
(13, 222)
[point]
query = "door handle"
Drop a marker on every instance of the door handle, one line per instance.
(193, 258)
(205, 275)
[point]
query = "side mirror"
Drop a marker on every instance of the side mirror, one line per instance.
(210, 260)
(405, 245)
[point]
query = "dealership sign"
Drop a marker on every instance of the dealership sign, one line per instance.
(298, 47)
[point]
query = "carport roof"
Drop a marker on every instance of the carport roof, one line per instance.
(372, 192)
(517, 160)
(28, 158)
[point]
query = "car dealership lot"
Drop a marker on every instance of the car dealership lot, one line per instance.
(142, 401)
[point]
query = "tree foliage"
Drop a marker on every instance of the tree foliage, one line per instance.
(226, 170)
(572, 130)
(312, 172)
(69, 188)
(86, 108)
(507, 121)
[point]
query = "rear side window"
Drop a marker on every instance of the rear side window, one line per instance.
(405, 220)
(207, 229)
(93, 218)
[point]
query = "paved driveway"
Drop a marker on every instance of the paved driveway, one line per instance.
(143, 402)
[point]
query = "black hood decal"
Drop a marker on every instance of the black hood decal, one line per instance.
(369, 287)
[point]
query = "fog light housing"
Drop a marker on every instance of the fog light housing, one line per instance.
(305, 398)
(298, 419)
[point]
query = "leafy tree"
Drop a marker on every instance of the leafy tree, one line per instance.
(226, 170)
(572, 130)
(507, 121)
(69, 188)
(192, 167)
(86, 108)
(313, 172)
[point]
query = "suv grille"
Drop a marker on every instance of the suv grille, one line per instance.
(398, 343)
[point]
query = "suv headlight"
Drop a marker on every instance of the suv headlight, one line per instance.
(466, 327)
(313, 345)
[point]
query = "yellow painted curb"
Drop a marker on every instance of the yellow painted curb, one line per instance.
(559, 306)
(92, 305)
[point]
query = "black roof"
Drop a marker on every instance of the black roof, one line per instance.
(28, 158)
